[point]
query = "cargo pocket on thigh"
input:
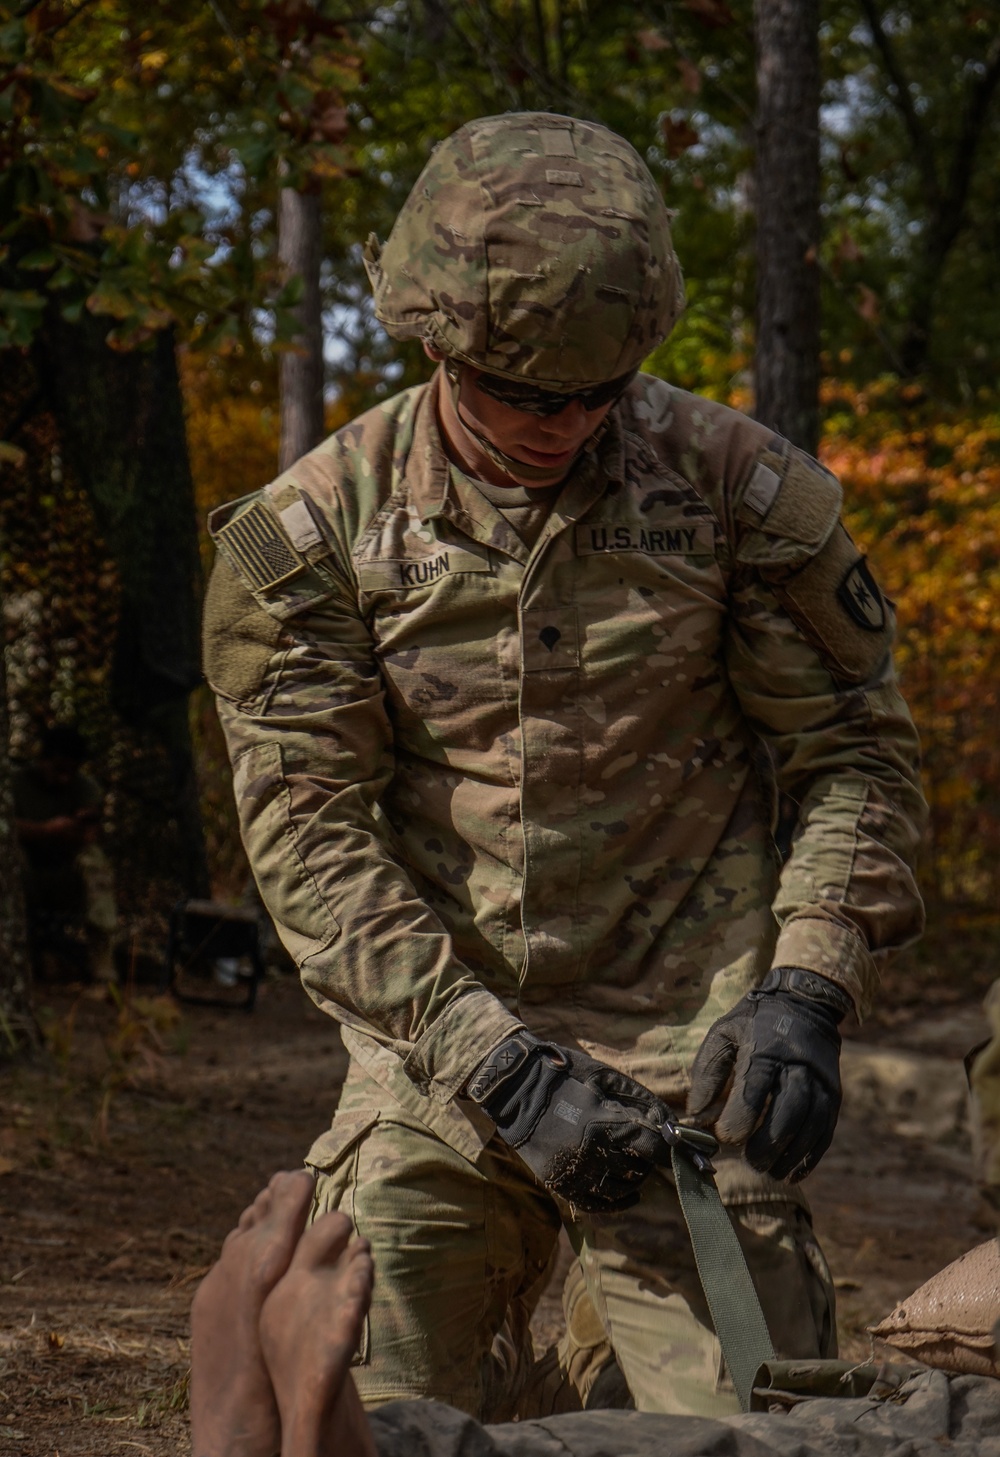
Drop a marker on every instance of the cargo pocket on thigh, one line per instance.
(774, 1224)
(333, 1158)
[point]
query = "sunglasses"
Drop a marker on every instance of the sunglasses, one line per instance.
(520, 395)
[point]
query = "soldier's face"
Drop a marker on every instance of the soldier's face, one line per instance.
(552, 441)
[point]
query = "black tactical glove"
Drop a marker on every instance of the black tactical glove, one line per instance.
(587, 1132)
(768, 1073)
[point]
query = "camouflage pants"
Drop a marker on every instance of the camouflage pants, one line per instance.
(463, 1252)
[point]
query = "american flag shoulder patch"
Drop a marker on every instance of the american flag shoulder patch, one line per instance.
(259, 548)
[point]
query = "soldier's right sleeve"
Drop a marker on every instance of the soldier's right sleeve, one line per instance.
(984, 1076)
(301, 703)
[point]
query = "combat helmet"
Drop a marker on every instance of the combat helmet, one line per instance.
(535, 247)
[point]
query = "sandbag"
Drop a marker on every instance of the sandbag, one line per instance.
(949, 1322)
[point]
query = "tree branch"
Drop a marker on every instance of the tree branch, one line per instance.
(923, 151)
(967, 145)
(231, 35)
(561, 44)
(51, 30)
(543, 49)
(720, 87)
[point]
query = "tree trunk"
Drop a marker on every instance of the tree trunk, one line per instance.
(300, 249)
(788, 221)
(17, 1025)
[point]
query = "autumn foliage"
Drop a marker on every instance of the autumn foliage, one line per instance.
(922, 495)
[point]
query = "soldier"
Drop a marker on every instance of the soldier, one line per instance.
(275, 1321)
(68, 877)
(496, 664)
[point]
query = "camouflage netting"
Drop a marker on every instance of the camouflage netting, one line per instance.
(72, 651)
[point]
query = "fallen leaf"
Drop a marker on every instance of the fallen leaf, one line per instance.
(7, 1166)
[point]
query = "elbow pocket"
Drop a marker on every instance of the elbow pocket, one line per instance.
(303, 919)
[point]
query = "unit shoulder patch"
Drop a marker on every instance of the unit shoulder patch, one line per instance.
(837, 605)
(859, 594)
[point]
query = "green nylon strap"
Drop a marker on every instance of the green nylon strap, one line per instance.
(732, 1300)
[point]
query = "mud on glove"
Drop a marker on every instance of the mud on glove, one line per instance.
(588, 1133)
(768, 1073)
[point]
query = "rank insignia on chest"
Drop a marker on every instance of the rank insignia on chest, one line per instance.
(859, 594)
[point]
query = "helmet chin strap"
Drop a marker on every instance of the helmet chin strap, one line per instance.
(509, 464)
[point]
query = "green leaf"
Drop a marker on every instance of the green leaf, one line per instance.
(86, 161)
(38, 258)
(292, 293)
(108, 299)
(256, 151)
(63, 278)
(12, 454)
(20, 314)
(13, 40)
(125, 138)
(21, 299)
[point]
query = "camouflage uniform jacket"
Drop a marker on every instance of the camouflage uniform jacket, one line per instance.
(483, 787)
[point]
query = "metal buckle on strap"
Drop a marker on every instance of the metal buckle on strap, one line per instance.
(700, 1145)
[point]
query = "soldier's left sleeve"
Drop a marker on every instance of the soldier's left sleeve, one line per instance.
(809, 653)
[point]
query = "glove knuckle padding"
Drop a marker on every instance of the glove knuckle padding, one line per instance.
(715, 1058)
(785, 1094)
(588, 1132)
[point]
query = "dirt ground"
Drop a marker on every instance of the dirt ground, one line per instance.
(129, 1149)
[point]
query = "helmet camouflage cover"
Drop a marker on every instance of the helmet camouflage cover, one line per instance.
(533, 246)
